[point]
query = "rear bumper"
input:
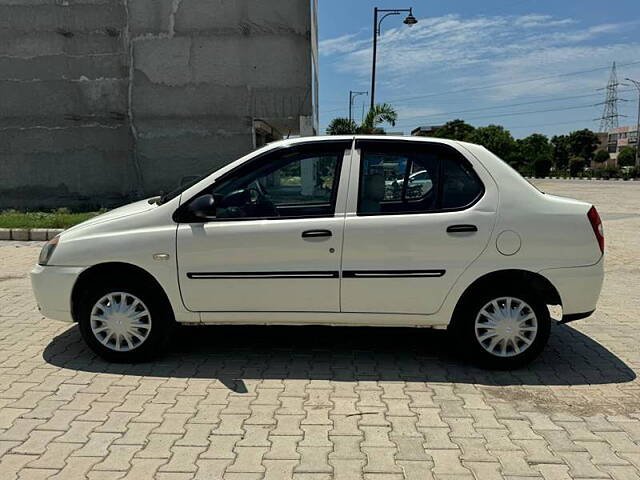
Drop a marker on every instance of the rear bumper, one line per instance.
(579, 288)
(52, 287)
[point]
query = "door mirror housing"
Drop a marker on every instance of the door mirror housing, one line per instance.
(203, 207)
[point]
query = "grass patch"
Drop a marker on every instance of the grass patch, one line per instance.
(60, 218)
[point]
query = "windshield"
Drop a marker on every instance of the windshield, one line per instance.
(174, 193)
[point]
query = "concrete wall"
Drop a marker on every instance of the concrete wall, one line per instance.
(102, 101)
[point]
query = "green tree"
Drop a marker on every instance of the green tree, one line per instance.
(601, 156)
(455, 130)
(583, 143)
(342, 126)
(382, 112)
(535, 147)
(576, 166)
(560, 146)
(496, 139)
(627, 157)
(379, 114)
(541, 168)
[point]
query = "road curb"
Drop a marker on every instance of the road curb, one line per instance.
(29, 234)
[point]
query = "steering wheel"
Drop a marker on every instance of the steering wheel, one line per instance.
(258, 199)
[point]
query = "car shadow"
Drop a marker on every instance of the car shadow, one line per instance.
(233, 354)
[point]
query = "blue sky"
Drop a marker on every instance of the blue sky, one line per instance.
(513, 63)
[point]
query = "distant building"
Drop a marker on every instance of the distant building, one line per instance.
(614, 140)
(621, 137)
(426, 131)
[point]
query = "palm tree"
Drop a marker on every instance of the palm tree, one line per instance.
(342, 126)
(377, 115)
(382, 112)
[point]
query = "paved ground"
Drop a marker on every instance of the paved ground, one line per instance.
(279, 403)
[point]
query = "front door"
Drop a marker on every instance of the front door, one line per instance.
(275, 244)
(417, 216)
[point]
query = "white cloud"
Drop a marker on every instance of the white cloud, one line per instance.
(476, 67)
(342, 44)
(454, 44)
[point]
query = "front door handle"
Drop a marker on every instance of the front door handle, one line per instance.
(316, 233)
(461, 228)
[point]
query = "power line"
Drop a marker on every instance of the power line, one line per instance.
(509, 105)
(528, 112)
(483, 87)
(503, 84)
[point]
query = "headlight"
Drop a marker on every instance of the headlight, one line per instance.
(47, 250)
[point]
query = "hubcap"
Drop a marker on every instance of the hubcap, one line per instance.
(506, 326)
(120, 321)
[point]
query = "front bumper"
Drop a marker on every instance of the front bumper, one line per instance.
(579, 288)
(52, 287)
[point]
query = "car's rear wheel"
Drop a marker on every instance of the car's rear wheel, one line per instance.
(502, 329)
(124, 322)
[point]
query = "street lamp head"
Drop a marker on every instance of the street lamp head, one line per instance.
(410, 20)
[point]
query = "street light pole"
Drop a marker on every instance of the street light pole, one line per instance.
(409, 21)
(636, 83)
(352, 97)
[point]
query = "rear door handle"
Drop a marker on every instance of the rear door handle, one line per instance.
(316, 233)
(461, 228)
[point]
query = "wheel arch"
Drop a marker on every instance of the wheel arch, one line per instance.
(102, 271)
(534, 281)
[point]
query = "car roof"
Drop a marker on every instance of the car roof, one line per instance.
(326, 138)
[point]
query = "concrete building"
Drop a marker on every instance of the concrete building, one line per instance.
(613, 141)
(621, 137)
(104, 101)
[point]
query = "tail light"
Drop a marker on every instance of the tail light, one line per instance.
(596, 224)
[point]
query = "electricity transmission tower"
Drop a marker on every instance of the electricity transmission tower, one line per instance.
(609, 119)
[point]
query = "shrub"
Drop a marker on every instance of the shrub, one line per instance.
(541, 168)
(601, 156)
(576, 166)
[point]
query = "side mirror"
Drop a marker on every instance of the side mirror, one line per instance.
(203, 207)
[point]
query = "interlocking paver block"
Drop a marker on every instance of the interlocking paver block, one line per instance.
(381, 460)
(347, 469)
(248, 460)
(313, 460)
(97, 446)
(279, 469)
(183, 459)
(76, 467)
(346, 447)
(221, 447)
(284, 447)
(119, 458)
(486, 470)
(581, 466)
(447, 462)
(158, 446)
(37, 442)
(211, 469)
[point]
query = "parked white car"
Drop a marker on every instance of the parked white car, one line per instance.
(303, 231)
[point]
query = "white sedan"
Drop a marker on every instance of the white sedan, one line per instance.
(305, 231)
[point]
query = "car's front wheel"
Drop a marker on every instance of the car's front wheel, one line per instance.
(502, 330)
(124, 322)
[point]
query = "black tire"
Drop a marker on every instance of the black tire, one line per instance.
(161, 319)
(463, 329)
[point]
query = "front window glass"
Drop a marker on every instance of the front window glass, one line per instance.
(292, 184)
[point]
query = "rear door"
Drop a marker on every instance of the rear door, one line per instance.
(418, 214)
